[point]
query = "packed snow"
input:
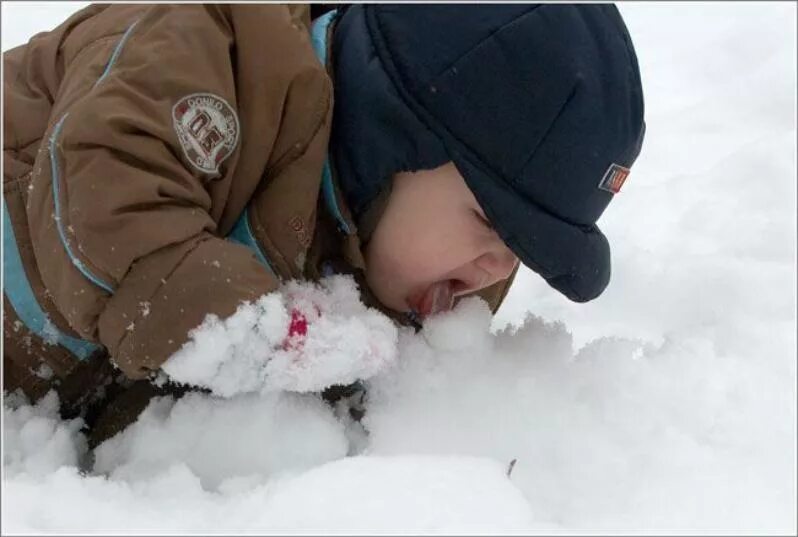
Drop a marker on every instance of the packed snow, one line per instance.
(668, 404)
(255, 350)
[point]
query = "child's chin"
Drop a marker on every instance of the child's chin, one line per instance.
(392, 302)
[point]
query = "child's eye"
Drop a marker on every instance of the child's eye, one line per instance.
(484, 220)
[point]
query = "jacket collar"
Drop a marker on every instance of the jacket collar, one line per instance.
(321, 30)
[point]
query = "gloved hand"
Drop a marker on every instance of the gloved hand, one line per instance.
(303, 338)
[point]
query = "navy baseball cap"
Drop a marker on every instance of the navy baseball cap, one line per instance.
(540, 107)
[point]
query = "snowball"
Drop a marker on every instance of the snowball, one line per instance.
(455, 330)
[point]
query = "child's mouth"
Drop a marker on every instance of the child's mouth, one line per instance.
(437, 298)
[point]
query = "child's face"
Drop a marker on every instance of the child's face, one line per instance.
(433, 243)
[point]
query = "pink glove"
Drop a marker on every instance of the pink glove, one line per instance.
(304, 338)
(297, 330)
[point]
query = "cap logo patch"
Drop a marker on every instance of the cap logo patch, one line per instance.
(614, 178)
(207, 128)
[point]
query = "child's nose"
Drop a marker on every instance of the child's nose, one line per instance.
(498, 263)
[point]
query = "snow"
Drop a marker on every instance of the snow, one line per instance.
(666, 405)
(619, 432)
(274, 434)
(36, 442)
(253, 350)
(358, 494)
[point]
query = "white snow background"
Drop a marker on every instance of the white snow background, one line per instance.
(666, 405)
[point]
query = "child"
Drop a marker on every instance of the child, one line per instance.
(164, 163)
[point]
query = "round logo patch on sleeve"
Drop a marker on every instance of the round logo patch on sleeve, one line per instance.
(207, 128)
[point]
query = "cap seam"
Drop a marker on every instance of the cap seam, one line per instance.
(426, 118)
(482, 41)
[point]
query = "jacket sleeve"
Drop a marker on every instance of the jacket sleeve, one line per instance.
(119, 210)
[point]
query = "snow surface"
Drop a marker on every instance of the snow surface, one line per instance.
(668, 404)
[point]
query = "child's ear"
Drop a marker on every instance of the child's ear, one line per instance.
(368, 221)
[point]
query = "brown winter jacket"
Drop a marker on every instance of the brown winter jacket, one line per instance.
(138, 140)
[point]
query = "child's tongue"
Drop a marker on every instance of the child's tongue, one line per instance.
(439, 297)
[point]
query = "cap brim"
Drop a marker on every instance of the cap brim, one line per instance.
(573, 259)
